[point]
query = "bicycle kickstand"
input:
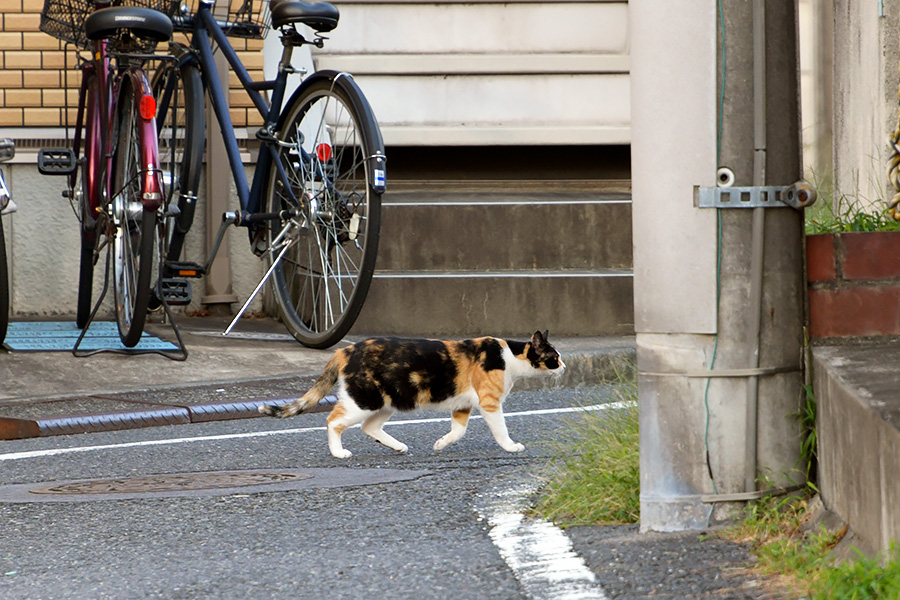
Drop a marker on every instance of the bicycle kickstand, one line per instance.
(286, 246)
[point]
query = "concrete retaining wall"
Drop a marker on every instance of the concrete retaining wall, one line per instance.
(859, 442)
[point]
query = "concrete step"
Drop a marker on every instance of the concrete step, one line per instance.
(506, 303)
(503, 230)
(503, 257)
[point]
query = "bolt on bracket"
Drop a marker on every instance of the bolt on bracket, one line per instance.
(798, 195)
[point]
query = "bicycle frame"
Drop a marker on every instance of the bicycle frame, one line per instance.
(203, 26)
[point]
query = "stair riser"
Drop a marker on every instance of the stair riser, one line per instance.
(513, 306)
(505, 236)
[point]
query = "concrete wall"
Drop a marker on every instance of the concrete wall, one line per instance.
(865, 98)
(487, 72)
(859, 443)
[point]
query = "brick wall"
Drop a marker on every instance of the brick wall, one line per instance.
(33, 78)
(854, 284)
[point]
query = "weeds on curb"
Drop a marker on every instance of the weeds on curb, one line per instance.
(593, 476)
(774, 527)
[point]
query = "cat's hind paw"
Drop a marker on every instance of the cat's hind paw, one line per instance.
(342, 453)
(514, 447)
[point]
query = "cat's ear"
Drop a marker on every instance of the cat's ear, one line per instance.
(538, 339)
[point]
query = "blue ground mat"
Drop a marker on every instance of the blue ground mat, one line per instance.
(58, 336)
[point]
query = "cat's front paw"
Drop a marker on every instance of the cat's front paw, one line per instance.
(514, 447)
(342, 453)
(402, 448)
(441, 444)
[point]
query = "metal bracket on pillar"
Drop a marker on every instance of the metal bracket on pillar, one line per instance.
(798, 195)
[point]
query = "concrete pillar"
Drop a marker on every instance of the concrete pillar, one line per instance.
(692, 293)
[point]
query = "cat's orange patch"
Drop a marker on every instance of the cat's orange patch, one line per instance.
(489, 387)
(461, 416)
(337, 412)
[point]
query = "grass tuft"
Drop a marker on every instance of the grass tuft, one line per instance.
(593, 478)
(864, 578)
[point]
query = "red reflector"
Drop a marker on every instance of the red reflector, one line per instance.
(324, 152)
(148, 107)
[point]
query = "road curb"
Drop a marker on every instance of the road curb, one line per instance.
(14, 428)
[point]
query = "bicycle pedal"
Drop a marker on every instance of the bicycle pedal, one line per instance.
(176, 292)
(56, 161)
(183, 269)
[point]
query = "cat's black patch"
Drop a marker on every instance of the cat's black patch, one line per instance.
(400, 370)
(517, 348)
(485, 352)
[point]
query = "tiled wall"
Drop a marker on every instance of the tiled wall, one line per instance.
(33, 78)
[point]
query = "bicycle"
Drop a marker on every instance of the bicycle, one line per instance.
(114, 180)
(7, 207)
(313, 207)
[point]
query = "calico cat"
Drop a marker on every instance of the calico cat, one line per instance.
(380, 376)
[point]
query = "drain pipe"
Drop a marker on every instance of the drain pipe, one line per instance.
(757, 239)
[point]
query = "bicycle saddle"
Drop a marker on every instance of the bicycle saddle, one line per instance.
(143, 22)
(321, 16)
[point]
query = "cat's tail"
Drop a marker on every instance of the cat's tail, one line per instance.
(321, 387)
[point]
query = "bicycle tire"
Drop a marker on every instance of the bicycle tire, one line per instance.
(4, 287)
(327, 136)
(93, 155)
(85, 282)
(134, 240)
(181, 127)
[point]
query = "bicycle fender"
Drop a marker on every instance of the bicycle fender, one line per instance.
(151, 174)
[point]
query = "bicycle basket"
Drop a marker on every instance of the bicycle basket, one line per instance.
(240, 18)
(64, 19)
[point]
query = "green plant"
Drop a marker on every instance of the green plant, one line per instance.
(809, 452)
(864, 578)
(593, 476)
(847, 215)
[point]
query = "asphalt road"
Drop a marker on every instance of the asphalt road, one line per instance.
(379, 525)
(338, 537)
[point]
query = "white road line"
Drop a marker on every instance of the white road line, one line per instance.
(540, 554)
(260, 434)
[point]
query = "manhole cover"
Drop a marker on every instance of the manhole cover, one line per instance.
(179, 482)
(201, 484)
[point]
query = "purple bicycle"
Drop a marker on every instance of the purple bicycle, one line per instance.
(114, 181)
(7, 206)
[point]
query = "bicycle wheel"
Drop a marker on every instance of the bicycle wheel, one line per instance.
(328, 144)
(134, 239)
(181, 127)
(4, 287)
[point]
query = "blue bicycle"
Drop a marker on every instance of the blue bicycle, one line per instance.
(313, 207)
